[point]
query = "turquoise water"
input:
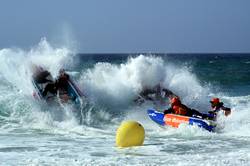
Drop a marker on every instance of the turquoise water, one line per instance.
(32, 134)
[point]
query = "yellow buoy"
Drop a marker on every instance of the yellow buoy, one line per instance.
(130, 133)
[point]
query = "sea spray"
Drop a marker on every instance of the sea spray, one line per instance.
(16, 101)
(31, 136)
(15, 64)
(118, 85)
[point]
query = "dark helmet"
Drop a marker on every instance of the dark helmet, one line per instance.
(61, 71)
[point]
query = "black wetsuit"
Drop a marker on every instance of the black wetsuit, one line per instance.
(145, 94)
(50, 87)
(40, 77)
(218, 108)
(60, 85)
(62, 82)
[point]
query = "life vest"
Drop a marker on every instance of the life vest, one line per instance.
(179, 110)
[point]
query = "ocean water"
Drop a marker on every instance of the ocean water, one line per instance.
(32, 134)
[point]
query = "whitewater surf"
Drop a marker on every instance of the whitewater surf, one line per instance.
(32, 135)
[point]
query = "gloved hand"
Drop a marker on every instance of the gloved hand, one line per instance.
(208, 116)
(211, 112)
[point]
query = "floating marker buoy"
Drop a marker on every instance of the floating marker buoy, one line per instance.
(130, 133)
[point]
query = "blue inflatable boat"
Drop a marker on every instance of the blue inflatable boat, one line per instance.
(41, 78)
(175, 120)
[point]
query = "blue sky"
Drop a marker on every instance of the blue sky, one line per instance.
(127, 26)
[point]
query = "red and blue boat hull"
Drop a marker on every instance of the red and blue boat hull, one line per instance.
(175, 120)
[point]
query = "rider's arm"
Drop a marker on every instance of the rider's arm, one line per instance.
(227, 111)
(168, 111)
(225, 108)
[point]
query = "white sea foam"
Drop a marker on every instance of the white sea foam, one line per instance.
(118, 85)
(32, 135)
(16, 99)
(15, 63)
